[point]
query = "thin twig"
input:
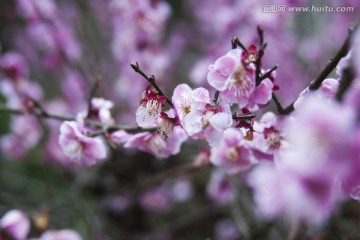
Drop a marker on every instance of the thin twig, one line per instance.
(216, 96)
(246, 116)
(347, 78)
(279, 106)
(258, 64)
(46, 115)
(268, 73)
(152, 81)
(235, 42)
(259, 55)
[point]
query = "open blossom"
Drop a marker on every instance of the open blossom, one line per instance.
(226, 229)
(319, 135)
(285, 193)
(234, 76)
(83, 150)
(268, 137)
(100, 110)
(14, 66)
(261, 96)
(15, 223)
(187, 101)
(219, 188)
(304, 185)
(233, 154)
(327, 91)
(214, 121)
(66, 234)
(198, 117)
(151, 104)
(156, 199)
(25, 134)
(154, 143)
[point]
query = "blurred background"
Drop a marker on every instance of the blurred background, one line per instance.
(66, 46)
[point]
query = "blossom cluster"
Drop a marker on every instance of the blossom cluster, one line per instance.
(300, 161)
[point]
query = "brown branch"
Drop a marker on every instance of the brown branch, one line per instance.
(343, 51)
(347, 78)
(268, 73)
(245, 116)
(258, 64)
(151, 80)
(259, 55)
(279, 106)
(216, 96)
(235, 42)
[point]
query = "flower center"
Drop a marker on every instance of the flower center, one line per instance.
(239, 81)
(273, 137)
(153, 107)
(73, 149)
(187, 109)
(232, 154)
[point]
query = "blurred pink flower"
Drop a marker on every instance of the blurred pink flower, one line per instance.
(81, 149)
(156, 199)
(155, 144)
(14, 66)
(66, 234)
(233, 154)
(285, 193)
(100, 110)
(219, 188)
(15, 223)
(226, 229)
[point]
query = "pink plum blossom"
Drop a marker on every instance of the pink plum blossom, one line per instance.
(284, 193)
(305, 184)
(66, 234)
(119, 137)
(25, 134)
(100, 110)
(151, 104)
(155, 144)
(83, 150)
(16, 223)
(198, 117)
(232, 78)
(182, 190)
(319, 135)
(261, 95)
(156, 199)
(187, 101)
(327, 91)
(226, 229)
(219, 188)
(14, 66)
(268, 137)
(233, 153)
